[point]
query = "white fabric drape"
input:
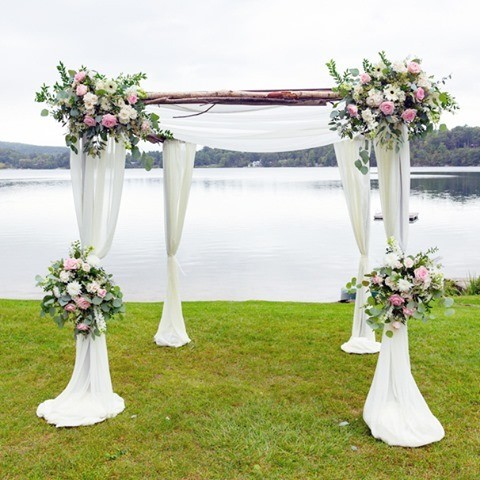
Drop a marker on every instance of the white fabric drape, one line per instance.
(97, 189)
(356, 188)
(394, 185)
(249, 128)
(395, 410)
(178, 160)
(88, 397)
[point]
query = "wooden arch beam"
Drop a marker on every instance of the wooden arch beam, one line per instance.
(313, 96)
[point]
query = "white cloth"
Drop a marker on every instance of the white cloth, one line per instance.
(395, 410)
(88, 397)
(250, 128)
(178, 160)
(356, 187)
(394, 185)
(97, 189)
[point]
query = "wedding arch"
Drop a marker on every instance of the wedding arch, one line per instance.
(254, 121)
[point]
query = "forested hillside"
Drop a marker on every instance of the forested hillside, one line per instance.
(457, 147)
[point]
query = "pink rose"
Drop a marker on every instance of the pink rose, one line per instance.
(408, 262)
(420, 94)
(109, 120)
(70, 307)
(396, 300)
(132, 99)
(377, 280)
(81, 90)
(365, 78)
(82, 303)
(409, 115)
(396, 325)
(387, 108)
(70, 264)
(89, 121)
(414, 67)
(421, 273)
(80, 77)
(352, 110)
(146, 126)
(82, 327)
(408, 312)
(101, 292)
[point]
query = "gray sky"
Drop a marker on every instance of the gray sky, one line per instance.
(213, 44)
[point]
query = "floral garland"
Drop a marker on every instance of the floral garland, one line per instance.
(94, 107)
(79, 290)
(404, 287)
(385, 97)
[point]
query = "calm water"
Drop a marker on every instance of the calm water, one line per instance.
(276, 234)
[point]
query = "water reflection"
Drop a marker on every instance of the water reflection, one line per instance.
(278, 234)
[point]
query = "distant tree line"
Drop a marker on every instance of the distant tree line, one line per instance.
(457, 147)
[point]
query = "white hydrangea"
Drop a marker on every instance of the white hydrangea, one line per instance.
(74, 289)
(357, 92)
(423, 81)
(100, 84)
(105, 104)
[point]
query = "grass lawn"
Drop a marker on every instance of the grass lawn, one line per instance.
(258, 394)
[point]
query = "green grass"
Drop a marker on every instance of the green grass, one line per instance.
(259, 394)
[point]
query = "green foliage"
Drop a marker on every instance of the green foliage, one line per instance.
(473, 286)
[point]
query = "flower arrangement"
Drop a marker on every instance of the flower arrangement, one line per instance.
(94, 107)
(79, 290)
(382, 99)
(404, 287)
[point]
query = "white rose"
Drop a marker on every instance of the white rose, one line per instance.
(105, 104)
(90, 98)
(404, 285)
(93, 260)
(391, 260)
(124, 115)
(408, 262)
(399, 67)
(65, 276)
(86, 267)
(389, 283)
(100, 84)
(374, 99)
(74, 289)
(93, 287)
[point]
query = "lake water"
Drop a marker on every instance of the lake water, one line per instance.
(275, 234)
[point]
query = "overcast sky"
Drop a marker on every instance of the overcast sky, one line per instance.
(214, 44)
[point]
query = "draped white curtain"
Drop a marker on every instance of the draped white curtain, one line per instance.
(356, 187)
(395, 410)
(394, 185)
(250, 128)
(97, 188)
(178, 161)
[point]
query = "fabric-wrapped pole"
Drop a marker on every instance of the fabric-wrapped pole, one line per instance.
(395, 410)
(394, 184)
(97, 190)
(356, 187)
(178, 161)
